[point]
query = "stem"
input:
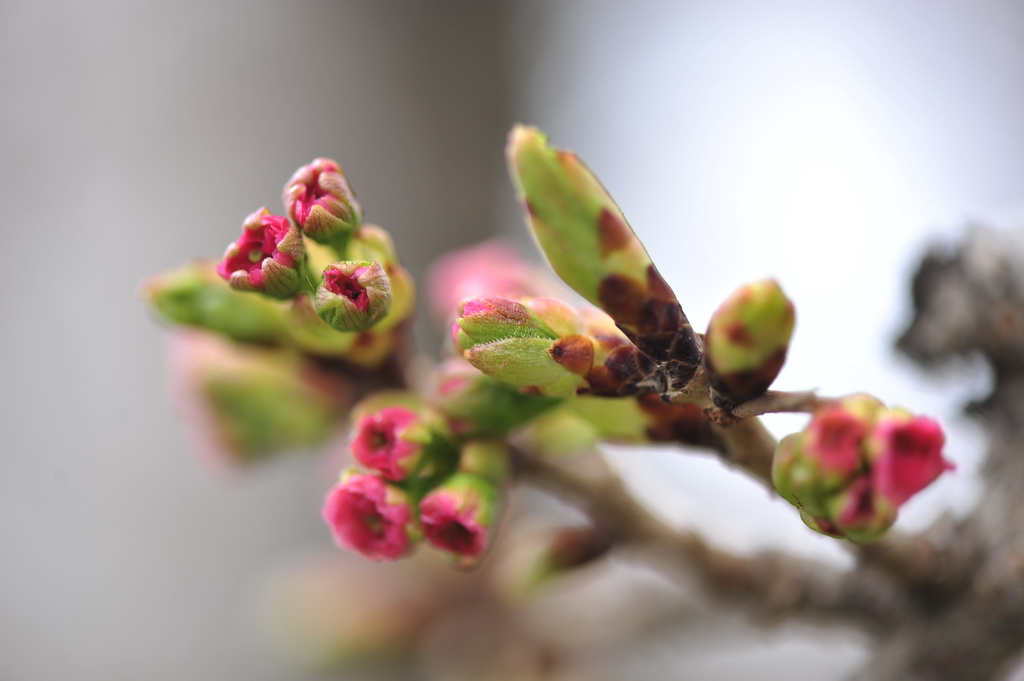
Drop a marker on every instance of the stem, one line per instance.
(771, 585)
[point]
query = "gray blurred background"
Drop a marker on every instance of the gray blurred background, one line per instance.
(818, 142)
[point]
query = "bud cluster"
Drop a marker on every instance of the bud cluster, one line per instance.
(855, 463)
(422, 484)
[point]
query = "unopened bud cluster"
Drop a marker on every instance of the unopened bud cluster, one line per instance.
(421, 483)
(855, 463)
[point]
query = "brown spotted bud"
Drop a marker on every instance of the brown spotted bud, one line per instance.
(746, 342)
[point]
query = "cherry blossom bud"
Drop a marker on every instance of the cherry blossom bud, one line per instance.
(267, 257)
(476, 404)
(557, 368)
(908, 455)
(589, 244)
(247, 404)
(194, 295)
(391, 440)
(493, 268)
(746, 342)
(860, 513)
(371, 517)
(459, 516)
(319, 200)
(354, 295)
(489, 319)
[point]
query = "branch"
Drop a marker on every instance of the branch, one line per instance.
(770, 585)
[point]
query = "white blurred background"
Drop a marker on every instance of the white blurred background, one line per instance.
(821, 143)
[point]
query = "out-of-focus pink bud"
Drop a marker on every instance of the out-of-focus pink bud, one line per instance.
(318, 198)
(861, 513)
(834, 439)
(371, 517)
(266, 258)
(493, 268)
(909, 455)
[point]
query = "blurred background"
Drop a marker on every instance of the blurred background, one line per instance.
(822, 143)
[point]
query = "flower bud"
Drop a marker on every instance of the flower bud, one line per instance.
(392, 440)
(371, 517)
(855, 463)
(249, 403)
(489, 459)
(907, 455)
(746, 342)
(860, 513)
(492, 268)
(459, 516)
(267, 257)
(354, 294)
(319, 200)
(557, 368)
(489, 319)
(476, 404)
(195, 296)
(592, 248)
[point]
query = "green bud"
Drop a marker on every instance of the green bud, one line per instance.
(555, 368)
(477, 405)
(353, 295)
(490, 319)
(746, 342)
(371, 242)
(591, 247)
(194, 295)
(577, 224)
(490, 459)
(255, 402)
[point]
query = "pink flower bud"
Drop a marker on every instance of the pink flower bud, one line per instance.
(492, 268)
(458, 516)
(320, 201)
(354, 295)
(391, 441)
(266, 258)
(910, 456)
(369, 516)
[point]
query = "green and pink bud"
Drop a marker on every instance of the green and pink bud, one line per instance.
(592, 248)
(368, 515)
(459, 516)
(746, 342)
(193, 295)
(861, 513)
(267, 258)
(353, 295)
(489, 269)
(534, 343)
(248, 404)
(476, 404)
(319, 200)
(855, 463)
